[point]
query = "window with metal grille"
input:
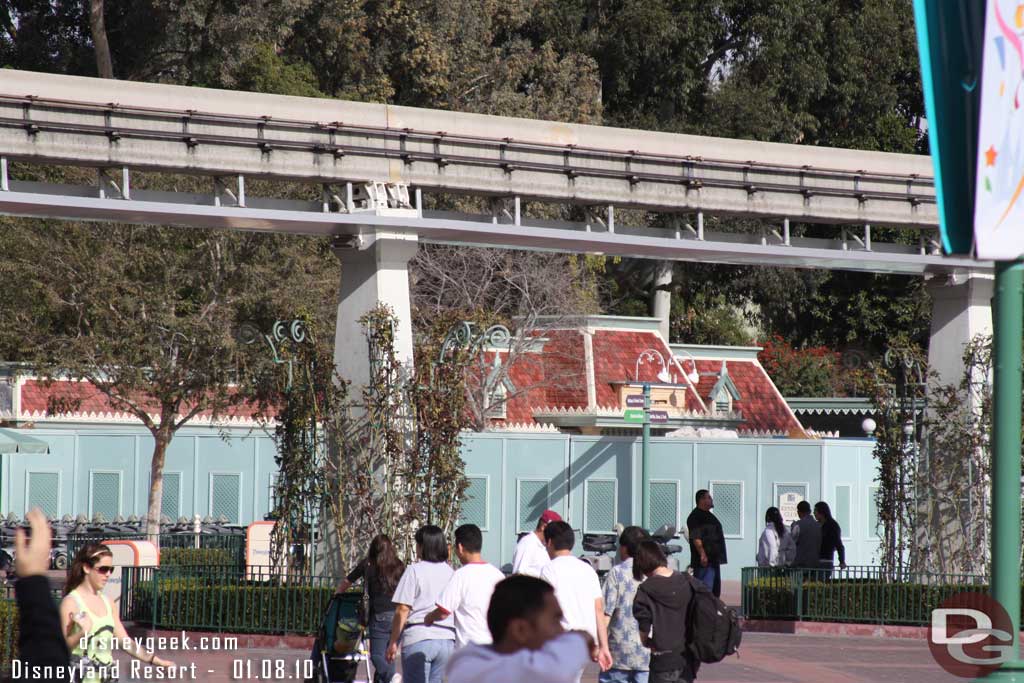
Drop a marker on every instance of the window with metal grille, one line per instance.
(43, 493)
(841, 511)
(599, 500)
(532, 501)
(474, 503)
(170, 503)
(226, 496)
(728, 497)
(873, 522)
(664, 504)
(105, 494)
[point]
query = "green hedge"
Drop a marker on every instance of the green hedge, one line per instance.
(194, 603)
(193, 557)
(8, 632)
(864, 601)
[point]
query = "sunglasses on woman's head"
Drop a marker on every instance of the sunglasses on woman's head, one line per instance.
(106, 569)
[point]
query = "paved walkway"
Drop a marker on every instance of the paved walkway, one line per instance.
(764, 658)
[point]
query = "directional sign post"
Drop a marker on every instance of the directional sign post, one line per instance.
(645, 461)
(635, 401)
(658, 416)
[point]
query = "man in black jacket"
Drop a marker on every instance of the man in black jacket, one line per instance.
(660, 607)
(42, 652)
(707, 543)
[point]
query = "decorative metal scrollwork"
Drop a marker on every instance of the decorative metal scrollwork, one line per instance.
(461, 336)
(281, 331)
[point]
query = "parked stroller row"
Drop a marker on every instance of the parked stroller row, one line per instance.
(70, 532)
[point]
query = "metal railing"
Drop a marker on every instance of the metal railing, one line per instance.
(225, 599)
(232, 543)
(862, 594)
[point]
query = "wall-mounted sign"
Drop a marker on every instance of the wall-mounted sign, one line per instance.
(787, 506)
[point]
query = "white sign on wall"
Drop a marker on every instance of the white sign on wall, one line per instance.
(787, 506)
(999, 184)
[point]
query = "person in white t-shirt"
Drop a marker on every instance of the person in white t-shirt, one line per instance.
(425, 647)
(531, 551)
(577, 589)
(529, 644)
(468, 594)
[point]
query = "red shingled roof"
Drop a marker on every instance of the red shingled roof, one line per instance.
(762, 406)
(84, 399)
(555, 378)
(615, 360)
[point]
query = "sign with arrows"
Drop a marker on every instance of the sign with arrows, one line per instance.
(635, 401)
(659, 416)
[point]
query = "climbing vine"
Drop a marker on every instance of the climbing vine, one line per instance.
(385, 460)
(933, 455)
(308, 398)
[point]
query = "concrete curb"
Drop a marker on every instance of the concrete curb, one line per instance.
(824, 628)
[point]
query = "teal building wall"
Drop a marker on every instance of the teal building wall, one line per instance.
(592, 481)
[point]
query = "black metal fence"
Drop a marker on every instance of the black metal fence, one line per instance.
(225, 599)
(855, 594)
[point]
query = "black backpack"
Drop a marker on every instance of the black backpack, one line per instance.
(714, 629)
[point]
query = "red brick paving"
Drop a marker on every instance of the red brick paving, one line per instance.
(764, 658)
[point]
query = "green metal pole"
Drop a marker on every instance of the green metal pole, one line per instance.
(1008, 331)
(645, 461)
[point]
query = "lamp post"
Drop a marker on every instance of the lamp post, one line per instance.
(645, 442)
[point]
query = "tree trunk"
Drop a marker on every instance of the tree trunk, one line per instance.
(104, 64)
(162, 437)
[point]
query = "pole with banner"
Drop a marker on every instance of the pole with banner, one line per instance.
(972, 72)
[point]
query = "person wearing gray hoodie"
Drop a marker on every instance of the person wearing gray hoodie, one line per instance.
(660, 608)
(524, 619)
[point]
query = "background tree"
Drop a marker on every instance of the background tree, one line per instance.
(148, 315)
(532, 294)
(820, 72)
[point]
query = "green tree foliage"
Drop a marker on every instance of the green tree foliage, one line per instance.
(148, 315)
(822, 72)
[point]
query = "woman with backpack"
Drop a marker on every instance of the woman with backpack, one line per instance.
(776, 547)
(380, 572)
(660, 608)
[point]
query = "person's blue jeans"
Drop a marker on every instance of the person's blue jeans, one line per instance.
(711, 576)
(622, 676)
(380, 634)
(425, 661)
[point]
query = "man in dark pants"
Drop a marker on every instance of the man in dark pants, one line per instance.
(707, 543)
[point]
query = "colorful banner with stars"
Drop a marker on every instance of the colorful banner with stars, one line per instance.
(999, 197)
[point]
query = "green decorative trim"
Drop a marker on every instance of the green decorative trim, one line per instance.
(833, 405)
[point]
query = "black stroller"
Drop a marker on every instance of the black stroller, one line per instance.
(339, 646)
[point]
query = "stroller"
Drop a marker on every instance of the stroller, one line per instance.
(339, 646)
